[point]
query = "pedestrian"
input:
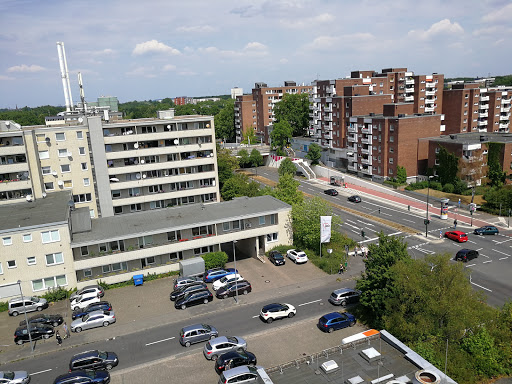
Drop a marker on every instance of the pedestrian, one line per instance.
(67, 334)
(59, 339)
(440, 234)
(342, 269)
(455, 224)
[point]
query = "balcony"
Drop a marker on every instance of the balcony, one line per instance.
(483, 114)
(327, 116)
(366, 170)
(14, 184)
(328, 108)
(367, 161)
(430, 84)
(429, 109)
(483, 106)
(352, 168)
(484, 98)
(328, 135)
(366, 140)
(504, 125)
(429, 101)
(505, 101)
(367, 151)
(482, 123)
(409, 89)
(352, 129)
(367, 130)
(505, 109)
(409, 81)
(352, 138)
(409, 98)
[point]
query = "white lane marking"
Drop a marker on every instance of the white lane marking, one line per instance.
(503, 258)
(410, 221)
(481, 249)
(311, 302)
(484, 255)
(349, 225)
(37, 373)
(469, 241)
(385, 214)
(503, 253)
(479, 286)
(160, 341)
(255, 316)
(350, 221)
(488, 261)
(470, 265)
(393, 234)
(504, 241)
(365, 223)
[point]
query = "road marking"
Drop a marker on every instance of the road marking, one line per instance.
(489, 261)
(481, 249)
(365, 223)
(393, 234)
(484, 255)
(255, 316)
(504, 241)
(311, 302)
(410, 221)
(37, 373)
(385, 214)
(479, 286)
(503, 258)
(470, 265)
(159, 341)
(469, 241)
(503, 253)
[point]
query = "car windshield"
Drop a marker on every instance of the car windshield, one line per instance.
(35, 299)
(8, 375)
(102, 354)
(232, 339)
(90, 373)
(224, 279)
(207, 327)
(85, 317)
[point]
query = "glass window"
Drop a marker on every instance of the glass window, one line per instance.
(92, 214)
(46, 170)
(119, 266)
(106, 268)
(50, 236)
(31, 260)
(81, 150)
(84, 251)
(60, 136)
(271, 237)
(236, 224)
(27, 237)
(63, 152)
(49, 186)
(49, 282)
(84, 166)
(273, 219)
(262, 220)
(116, 193)
(61, 280)
(11, 264)
(87, 182)
(7, 240)
(65, 168)
(37, 285)
(54, 258)
(87, 272)
(1, 270)
(79, 135)
(44, 155)
(225, 226)
(68, 184)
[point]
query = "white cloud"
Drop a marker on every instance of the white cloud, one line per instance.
(153, 46)
(106, 52)
(356, 40)
(443, 27)
(169, 67)
(255, 46)
(500, 15)
(492, 31)
(6, 78)
(26, 68)
(196, 29)
(148, 72)
(300, 23)
(251, 49)
(283, 61)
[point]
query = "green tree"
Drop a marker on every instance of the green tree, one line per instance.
(287, 190)
(376, 282)
(287, 167)
(448, 167)
(495, 172)
(314, 153)
(225, 122)
(294, 109)
(281, 134)
(250, 136)
(243, 158)
(255, 158)
(226, 165)
(401, 175)
(239, 185)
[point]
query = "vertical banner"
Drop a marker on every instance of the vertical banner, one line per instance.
(325, 229)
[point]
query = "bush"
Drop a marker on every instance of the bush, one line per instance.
(418, 185)
(436, 185)
(448, 188)
(4, 306)
(282, 249)
(57, 294)
(215, 260)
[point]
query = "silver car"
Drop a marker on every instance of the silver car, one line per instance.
(220, 345)
(93, 320)
(14, 377)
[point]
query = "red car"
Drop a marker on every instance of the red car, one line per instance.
(459, 236)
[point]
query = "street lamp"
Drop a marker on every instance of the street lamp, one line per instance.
(427, 221)
(26, 318)
(236, 272)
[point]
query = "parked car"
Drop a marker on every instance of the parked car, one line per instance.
(93, 360)
(100, 306)
(186, 280)
(28, 304)
(83, 377)
(179, 293)
(81, 302)
(54, 320)
(14, 377)
(276, 311)
(459, 236)
(486, 230)
(276, 258)
(297, 256)
(37, 331)
(466, 254)
(88, 290)
(336, 320)
(243, 374)
(216, 273)
(224, 281)
(243, 287)
(354, 199)
(223, 344)
(197, 333)
(194, 298)
(93, 320)
(234, 359)
(344, 296)
(331, 192)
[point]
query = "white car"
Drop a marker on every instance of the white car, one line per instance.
(275, 311)
(14, 377)
(297, 256)
(228, 279)
(82, 301)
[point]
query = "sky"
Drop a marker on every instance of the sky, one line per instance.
(152, 49)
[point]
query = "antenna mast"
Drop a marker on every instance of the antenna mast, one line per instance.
(65, 76)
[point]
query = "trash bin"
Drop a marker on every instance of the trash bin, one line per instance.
(138, 279)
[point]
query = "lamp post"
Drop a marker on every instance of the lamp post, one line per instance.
(427, 221)
(236, 272)
(26, 318)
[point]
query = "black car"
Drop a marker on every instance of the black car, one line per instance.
(84, 376)
(93, 360)
(331, 192)
(37, 331)
(54, 320)
(243, 287)
(234, 359)
(276, 258)
(354, 199)
(194, 298)
(486, 230)
(100, 306)
(466, 254)
(182, 291)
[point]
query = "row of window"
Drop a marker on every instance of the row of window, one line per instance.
(64, 168)
(51, 259)
(46, 237)
(204, 198)
(60, 136)
(50, 185)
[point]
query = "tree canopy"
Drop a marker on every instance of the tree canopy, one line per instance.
(294, 109)
(226, 165)
(281, 134)
(225, 121)
(448, 167)
(314, 153)
(287, 167)
(287, 190)
(240, 185)
(495, 173)
(255, 158)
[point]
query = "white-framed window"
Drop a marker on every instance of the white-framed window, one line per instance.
(64, 168)
(203, 250)
(87, 272)
(226, 226)
(68, 183)
(31, 260)
(106, 268)
(150, 260)
(60, 136)
(50, 236)
(84, 251)
(44, 155)
(116, 193)
(63, 152)
(273, 219)
(1, 269)
(390, 160)
(54, 258)
(135, 207)
(49, 186)
(7, 240)
(46, 170)
(27, 238)
(81, 151)
(174, 236)
(82, 198)
(262, 220)
(92, 214)
(87, 182)
(236, 224)
(175, 256)
(11, 264)
(119, 267)
(271, 237)
(49, 282)
(84, 166)
(41, 137)
(79, 135)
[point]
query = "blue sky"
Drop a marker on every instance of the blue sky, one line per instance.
(140, 50)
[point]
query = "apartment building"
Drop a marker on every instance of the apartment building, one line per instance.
(469, 108)
(264, 98)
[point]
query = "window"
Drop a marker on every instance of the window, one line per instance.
(44, 155)
(54, 258)
(92, 214)
(68, 184)
(49, 282)
(81, 150)
(50, 236)
(46, 170)
(31, 260)
(391, 149)
(145, 241)
(273, 219)
(27, 238)
(390, 160)
(135, 207)
(11, 264)
(7, 240)
(236, 224)
(1, 270)
(271, 237)
(201, 231)
(84, 166)
(106, 268)
(87, 182)
(262, 220)
(84, 251)
(82, 198)
(87, 272)
(150, 260)
(65, 168)
(203, 250)
(60, 136)
(391, 139)
(226, 226)
(174, 236)
(79, 135)
(118, 210)
(63, 152)
(49, 186)
(119, 267)
(116, 193)
(40, 137)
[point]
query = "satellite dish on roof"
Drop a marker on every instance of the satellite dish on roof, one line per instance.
(137, 176)
(142, 161)
(44, 195)
(60, 182)
(136, 145)
(176, 141)
(54, 173)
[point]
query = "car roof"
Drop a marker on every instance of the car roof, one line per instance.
(239, 370)
(101, 312)
(34, 325)
(333, 315)
(218, 340)
(84, 354)
(458, 232)
(272, 305)
(344, 290)
(194, 327)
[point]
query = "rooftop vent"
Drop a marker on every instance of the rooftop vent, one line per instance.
(329, 366)
(426, 377)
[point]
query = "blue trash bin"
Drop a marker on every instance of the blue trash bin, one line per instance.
(138, 279)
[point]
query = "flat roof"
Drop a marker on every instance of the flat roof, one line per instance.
(473, 138)
(53, 209)
(170, 219)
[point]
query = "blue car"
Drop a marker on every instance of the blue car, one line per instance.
(216, 273)
(101, 306)
(336, 320)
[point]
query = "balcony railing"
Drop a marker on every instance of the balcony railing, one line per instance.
(409, 98)
(367, 140)
(352, 129)
(352, 138)
(484, 98)
(352, 168)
